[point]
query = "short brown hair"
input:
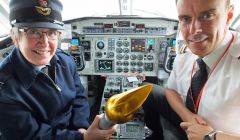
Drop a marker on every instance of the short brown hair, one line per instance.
(227, 2)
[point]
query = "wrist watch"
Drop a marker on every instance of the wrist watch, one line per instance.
(210, 135)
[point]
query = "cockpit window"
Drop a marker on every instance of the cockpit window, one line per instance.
(95, 8)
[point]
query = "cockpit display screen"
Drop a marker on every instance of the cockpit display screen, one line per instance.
(77, 59)
(138, 45)
(105, 65)
(174, 42)
(75, 44)
(75, 41)
(132, 128)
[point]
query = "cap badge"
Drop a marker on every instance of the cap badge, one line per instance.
(43, 8)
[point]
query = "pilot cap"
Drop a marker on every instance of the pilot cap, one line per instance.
(36, 13)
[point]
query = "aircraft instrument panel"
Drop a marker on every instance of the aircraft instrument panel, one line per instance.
(122, 45)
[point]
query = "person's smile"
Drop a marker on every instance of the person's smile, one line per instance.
(42, 52)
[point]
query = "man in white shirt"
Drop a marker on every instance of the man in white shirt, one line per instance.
(204, 26)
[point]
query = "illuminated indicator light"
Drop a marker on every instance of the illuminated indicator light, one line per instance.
(151, 41)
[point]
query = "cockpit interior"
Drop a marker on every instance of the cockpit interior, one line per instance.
(117, 45)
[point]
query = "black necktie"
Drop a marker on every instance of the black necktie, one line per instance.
(45, 70)
(198, 80)
(50, 71)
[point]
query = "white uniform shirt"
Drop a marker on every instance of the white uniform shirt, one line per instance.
(220, 101)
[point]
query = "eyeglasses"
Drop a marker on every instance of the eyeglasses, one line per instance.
(36, 34)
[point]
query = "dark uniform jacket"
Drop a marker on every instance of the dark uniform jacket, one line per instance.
(34, 106)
